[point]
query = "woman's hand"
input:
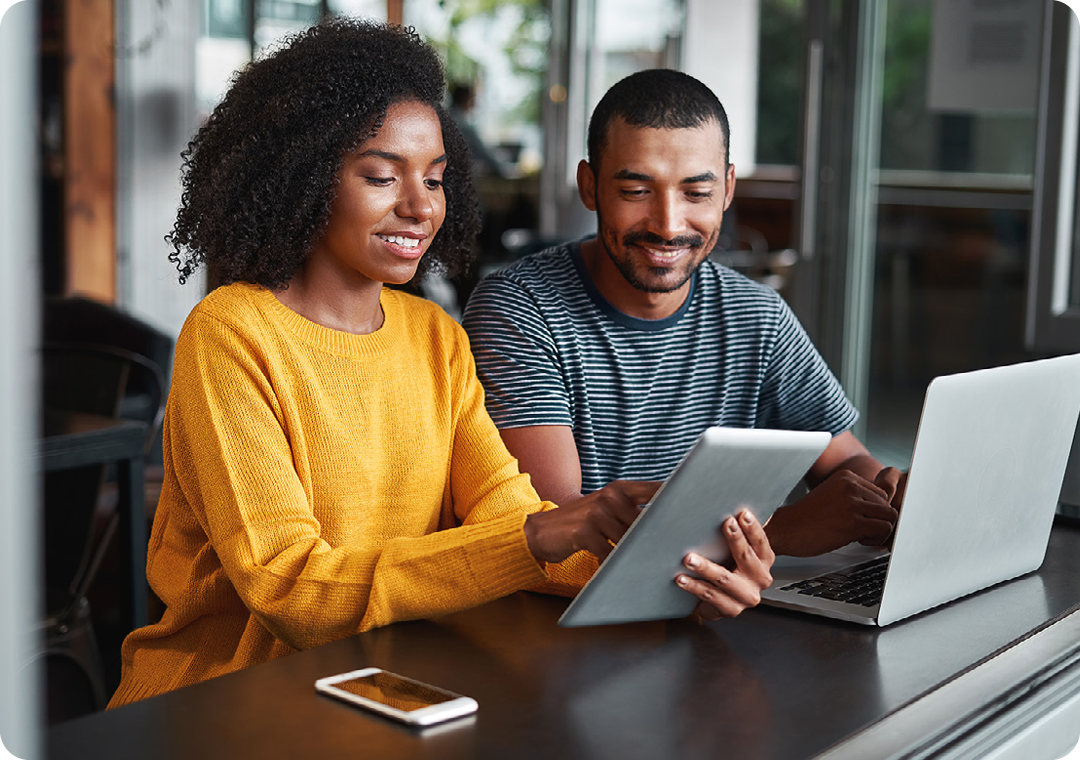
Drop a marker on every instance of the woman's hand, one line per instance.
(593, 523)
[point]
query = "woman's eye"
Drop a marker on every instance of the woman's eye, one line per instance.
(379, 181)
(434, 184)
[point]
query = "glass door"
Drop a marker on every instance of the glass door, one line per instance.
(894, 188)
(913, 219)
(955, 182)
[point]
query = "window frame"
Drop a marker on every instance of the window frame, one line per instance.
(1053, 323)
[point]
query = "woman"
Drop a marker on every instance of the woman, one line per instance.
(329, 465)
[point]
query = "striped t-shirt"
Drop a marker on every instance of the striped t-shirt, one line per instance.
(551, 350)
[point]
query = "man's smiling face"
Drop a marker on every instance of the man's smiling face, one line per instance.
(660, 197)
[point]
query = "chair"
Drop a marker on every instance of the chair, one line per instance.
(87, 379)
(79, 320)
(746, 250)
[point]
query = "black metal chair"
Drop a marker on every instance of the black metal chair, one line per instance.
(85, 379)
(75, 319)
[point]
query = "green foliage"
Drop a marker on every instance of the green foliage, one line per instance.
(525, 50)
(780, 81)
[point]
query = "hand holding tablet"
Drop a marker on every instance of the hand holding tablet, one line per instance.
(727, 470)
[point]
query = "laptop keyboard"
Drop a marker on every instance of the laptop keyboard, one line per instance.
(860, 584)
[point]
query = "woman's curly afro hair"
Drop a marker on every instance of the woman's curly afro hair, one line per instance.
(260, 176)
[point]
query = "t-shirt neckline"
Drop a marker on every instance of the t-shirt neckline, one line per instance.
(617, 316)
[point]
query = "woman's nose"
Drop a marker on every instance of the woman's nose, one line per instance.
(416, 202)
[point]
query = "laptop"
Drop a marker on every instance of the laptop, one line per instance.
(982, 490)
(725, 470)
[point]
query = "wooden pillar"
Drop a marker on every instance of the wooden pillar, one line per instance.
(90, 149)
(395, 12)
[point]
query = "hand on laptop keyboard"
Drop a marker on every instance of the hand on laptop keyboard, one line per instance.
(845, 507)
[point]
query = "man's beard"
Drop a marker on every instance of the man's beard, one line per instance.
(653, 279)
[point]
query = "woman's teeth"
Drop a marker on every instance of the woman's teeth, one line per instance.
(404, 242)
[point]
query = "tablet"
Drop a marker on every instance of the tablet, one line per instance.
(725, 470)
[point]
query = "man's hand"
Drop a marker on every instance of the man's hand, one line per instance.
(594, 522)
(893, 482)
(726, 593)
(844, 508)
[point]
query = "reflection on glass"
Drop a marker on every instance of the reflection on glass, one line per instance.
(1074, 279)
(496, 53)
(221, 49)
(954, 216)
(780, 65)
(374, 9)
(276, 18)
(932, 127)
(628, 36)
(225, 44)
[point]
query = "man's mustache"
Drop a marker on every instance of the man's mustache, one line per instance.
(649, 238)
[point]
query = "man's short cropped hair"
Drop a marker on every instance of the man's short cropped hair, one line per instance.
(660, 99)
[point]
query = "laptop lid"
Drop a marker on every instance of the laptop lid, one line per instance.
(726, 469)
(982, 490)
(984, 482)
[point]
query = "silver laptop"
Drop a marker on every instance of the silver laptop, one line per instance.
(981, 495)
(726, 469)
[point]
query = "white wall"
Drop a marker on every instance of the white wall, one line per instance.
(20, 714)
(157, 116)
(720, 47)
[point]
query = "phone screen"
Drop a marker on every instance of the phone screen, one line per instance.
(395, 691)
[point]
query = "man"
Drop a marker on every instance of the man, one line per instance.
(605, 359)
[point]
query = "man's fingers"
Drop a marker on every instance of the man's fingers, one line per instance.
(888, 480)
(901, 489)
(755, 537)
(725, 594)
(748, 562)
(875, 532)
(873, 510)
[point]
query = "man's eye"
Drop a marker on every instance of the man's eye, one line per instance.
(633, 192)
(699, 195)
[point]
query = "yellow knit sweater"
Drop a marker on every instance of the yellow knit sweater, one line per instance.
(318, 484)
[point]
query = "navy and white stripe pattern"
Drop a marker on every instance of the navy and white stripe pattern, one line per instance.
(550, 350)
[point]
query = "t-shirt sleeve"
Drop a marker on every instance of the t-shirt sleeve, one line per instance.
(517, 357)
(800, 392)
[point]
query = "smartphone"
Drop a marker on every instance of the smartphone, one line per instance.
(398, 697)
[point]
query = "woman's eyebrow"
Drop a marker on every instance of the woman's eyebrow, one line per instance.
(395, 157)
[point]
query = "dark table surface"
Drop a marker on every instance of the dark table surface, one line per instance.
(770, 684)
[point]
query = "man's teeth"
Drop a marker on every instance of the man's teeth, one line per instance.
(665, 254)
(404, 242)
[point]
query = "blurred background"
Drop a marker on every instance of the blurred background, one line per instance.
(907, 170)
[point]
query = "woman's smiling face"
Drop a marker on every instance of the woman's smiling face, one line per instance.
(390, 200)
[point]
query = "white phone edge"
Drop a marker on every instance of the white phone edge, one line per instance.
(427, 716)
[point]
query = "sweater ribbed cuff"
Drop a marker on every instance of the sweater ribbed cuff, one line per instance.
(501, 561)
